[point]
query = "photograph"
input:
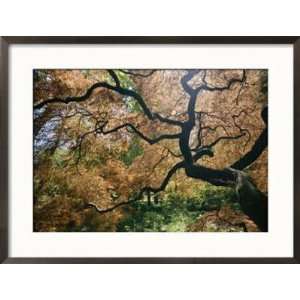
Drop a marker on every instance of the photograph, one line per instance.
(150, 150)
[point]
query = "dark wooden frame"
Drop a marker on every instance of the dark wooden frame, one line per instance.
(5, 42)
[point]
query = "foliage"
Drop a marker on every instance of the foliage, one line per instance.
(133, 151)
(81, 157)
(174, 212)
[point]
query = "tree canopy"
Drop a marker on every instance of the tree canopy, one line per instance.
(114, 149)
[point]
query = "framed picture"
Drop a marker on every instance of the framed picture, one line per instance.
(150, 150)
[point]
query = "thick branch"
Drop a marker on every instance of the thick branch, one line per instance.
(138, 74)
(251, 156)
(117, 88)
(88, 93)
(227, 177)
(259, 146)
(167, 120)
(186, 78)
(114, 77)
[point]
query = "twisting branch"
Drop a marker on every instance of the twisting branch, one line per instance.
(217, 177)
(200, 134)
(88, 93)
(224, 177)
(106, 210)
(114, 77)
(210, 115)
(147, 189)
(229, 84)
(242, 130)
(117, 88)
(167, 120)
(173, 153)
(162, 158)
(138, 74)
(186, 78)
(139, 195)
(100, 129)
(258, 147)
(221, 138)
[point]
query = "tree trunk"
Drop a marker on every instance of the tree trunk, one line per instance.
(253, 202)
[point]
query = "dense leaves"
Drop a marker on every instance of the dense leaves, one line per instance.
(97, 152)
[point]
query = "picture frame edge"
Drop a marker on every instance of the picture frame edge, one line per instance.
(6, 41)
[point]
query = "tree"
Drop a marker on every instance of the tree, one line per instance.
(210, 124)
